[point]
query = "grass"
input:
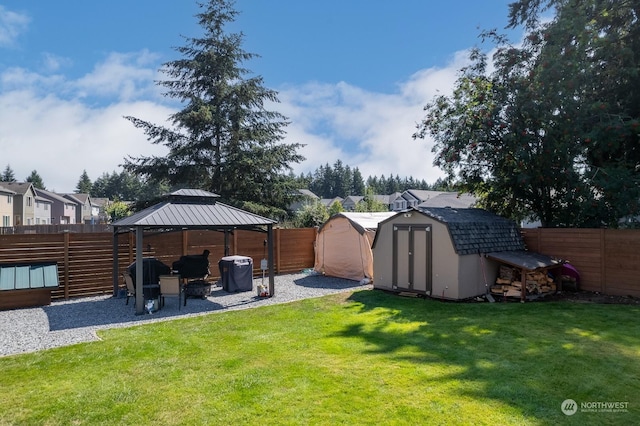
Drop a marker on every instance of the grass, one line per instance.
(355, 358)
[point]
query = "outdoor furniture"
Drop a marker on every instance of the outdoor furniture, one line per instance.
(150, 291)
(170, 286)
(196, 288)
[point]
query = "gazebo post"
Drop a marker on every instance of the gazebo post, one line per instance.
(115, 262)
(270, 262)
(139, 273)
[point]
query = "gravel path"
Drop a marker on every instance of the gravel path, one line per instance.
(74, 321)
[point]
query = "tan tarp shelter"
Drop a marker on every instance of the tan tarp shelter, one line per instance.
(343, 245)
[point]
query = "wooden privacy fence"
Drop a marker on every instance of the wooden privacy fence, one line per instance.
(608, 259)
(85, 260)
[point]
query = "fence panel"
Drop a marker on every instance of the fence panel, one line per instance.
(85, 260)
(608, 259)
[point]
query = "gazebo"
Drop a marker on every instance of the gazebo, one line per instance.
(188, 209)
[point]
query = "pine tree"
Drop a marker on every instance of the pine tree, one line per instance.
(224, 140)
(84, 184)
(36, 180)
(8, 175)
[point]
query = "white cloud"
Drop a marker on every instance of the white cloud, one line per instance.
(59, 138)
(127, 76)
(48, 123)
(12, 24)
(367, 130)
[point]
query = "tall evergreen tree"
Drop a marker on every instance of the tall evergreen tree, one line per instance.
(224, 139)
(357, 183)
(8, 175)
(36, 180)
(84, 184)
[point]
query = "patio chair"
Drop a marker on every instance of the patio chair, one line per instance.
(131, 289)
(170, 286)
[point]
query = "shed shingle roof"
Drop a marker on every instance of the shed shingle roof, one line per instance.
(477, 231)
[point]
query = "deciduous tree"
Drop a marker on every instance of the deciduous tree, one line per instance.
(553, 131)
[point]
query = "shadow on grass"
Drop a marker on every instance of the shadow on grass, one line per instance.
(529, 356)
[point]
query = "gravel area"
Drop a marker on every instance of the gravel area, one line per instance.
(74, 321)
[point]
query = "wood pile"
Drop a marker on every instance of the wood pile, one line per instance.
(509, 282)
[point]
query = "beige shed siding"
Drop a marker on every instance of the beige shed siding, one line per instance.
(454, 276)
(445, 263)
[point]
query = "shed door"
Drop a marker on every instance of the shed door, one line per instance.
(412, 257)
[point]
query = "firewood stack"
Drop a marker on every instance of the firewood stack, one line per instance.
(509, 282)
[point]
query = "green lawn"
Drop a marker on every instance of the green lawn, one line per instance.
(355, 358)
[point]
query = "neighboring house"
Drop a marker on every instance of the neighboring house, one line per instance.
(86, 212)
(6, 207)
(423, 198)
(303, 198)
(24, 202)
(63, 210)
(349, 204)
(42, 211)
(328, 202)
(450, 199)
(388, 200)
(99, 205)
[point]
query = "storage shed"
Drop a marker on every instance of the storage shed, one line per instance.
(343, 245)
(442, 252)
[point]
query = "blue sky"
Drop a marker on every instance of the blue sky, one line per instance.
(352, 76)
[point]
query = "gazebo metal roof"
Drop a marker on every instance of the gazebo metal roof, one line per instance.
(193, 208)
(188, 209)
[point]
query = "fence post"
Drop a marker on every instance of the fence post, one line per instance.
(66, 265)
(278, 257)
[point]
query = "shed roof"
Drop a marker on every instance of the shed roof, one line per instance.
(525, 259)
(193, 208)
(477, 231)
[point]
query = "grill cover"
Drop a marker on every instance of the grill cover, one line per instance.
(152, 268)
(193, 265)
(236, 273)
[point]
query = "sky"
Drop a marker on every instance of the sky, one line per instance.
(352, 76)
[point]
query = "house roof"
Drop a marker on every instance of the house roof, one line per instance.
(477, 231)
(80, 198)
(361, 221)
(353, 198)
(6, 190)
(328, 201)
(53, 196)
(193, 208)
(307, 193)
(20, 188)
(420, 194)
(450, 199)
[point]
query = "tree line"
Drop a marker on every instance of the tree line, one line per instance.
(326, 181)
(341, 180)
